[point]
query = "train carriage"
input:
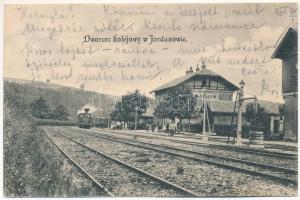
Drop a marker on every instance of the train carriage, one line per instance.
(101, 122)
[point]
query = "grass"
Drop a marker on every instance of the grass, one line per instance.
(33, 167)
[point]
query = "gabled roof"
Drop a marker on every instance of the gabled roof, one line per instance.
(288, 34)
(202, 72)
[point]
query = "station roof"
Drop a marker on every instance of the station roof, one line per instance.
(222, 106)
(287, 43)
(203, 72)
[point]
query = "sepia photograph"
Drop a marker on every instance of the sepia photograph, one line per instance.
(119, 99)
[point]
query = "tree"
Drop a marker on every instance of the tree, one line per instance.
(40, 108)
(132, 104)
(117, 114)
(258, 117)
(60, 112)
(177, 102)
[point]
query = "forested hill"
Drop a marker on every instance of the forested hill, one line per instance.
(73, 99)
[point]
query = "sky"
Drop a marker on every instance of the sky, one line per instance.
(233, 40)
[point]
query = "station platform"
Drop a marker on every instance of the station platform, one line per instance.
(278, 146)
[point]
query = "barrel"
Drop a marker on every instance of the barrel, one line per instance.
(259, 137)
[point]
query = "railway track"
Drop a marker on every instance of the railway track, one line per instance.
(114, 176)
(215, 146)
(283, 175)
(282, 147)
(77, 165)
(286, 162)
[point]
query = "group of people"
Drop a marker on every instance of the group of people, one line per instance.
(151, 128)
(172, 128)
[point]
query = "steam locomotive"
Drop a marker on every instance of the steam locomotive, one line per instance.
(85, 119)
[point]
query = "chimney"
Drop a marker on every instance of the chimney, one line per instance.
(203, 66)
(197, 69)
(86, 110)
(187, 71)
(191, 69)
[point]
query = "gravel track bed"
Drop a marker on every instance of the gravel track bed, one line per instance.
(231, 163)
(279, 162)
(239, 165)
(117, 179)
(81, 184)
(204, 179)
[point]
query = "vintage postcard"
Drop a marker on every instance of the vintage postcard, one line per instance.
(150, 100)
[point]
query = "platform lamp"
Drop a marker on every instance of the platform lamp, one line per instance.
(239, 119)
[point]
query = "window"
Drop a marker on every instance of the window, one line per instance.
(190, 83)
(221, 86)
(276, 126)
(213, 84)
(198, 83)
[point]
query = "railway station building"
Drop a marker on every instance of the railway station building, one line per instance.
(287, 51)
(219, 94)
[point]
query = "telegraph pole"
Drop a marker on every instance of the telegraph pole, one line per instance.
(204, 133)
(204, 112)
(108, 122)
(135, 120)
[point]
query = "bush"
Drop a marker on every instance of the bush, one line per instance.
(40, 108)
(33, 167)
